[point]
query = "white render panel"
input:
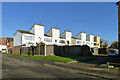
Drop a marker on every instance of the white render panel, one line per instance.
(55, 35)
(68, 37)
(47, 43)
(18, 38)
(3, 47)
(39, 30)
(90, 38)
(24, 41)
(83, 36)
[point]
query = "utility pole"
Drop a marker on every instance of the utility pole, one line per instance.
(118, 3)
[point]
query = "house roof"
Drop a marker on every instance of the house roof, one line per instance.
(91, 34)
(64, 32)
(55, 28)
(47, 35)
(76, 38)
(36, 24)
(80, 32)
(27, 32)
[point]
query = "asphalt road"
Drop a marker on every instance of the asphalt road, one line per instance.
(16, 67)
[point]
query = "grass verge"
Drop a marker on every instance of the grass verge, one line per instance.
(56, 58)
(50, 58)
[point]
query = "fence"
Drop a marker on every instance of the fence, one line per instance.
(103, 50)
(33, 50)
(49, 50)
(67, 50)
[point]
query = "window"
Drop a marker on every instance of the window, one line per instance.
(88, 43)
(47, 40)
(29, 38)
(94, 44)
(67, 42)
(62, 41)
(79, 42)
(55, 40)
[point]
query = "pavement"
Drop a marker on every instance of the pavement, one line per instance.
(20, 67)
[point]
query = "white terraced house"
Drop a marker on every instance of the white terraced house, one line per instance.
(36, 35)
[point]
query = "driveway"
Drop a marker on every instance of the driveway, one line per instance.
(19, 67)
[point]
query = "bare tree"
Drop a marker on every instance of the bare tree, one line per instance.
(103, 43)
(114, 45)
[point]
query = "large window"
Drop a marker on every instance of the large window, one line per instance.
(47, 40)
(61, 41)
(29, 38)
(79, 42)
(88, 43)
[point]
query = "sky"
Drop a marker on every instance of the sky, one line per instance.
(97, 18)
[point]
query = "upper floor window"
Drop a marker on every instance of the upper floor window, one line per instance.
(62, 41)
(79, 42)
(88, 43)
(29, 38)
(47, 40)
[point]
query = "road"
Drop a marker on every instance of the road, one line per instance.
(18, 67)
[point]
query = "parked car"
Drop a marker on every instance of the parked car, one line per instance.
(113, 53)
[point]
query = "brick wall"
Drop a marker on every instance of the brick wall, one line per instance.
(16, 49)
(3, 41)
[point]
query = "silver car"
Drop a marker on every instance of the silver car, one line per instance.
(113, 53)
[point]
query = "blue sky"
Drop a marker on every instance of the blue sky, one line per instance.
(98, 18)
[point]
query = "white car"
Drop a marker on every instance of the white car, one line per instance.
(113, 53)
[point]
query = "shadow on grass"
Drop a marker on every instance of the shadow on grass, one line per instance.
(81, 58)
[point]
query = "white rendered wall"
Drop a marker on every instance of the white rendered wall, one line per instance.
(83, 36)
(24, 41)
(3, 47)
(38, 30)
(67, 35)
(17, 39)
(90, 38)
(47, 43)
(55, 35)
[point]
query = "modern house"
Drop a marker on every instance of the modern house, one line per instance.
(6, 44)
(82, 39)
(36, 35)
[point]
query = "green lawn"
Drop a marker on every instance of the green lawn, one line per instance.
(50, 58)
(55, 58)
